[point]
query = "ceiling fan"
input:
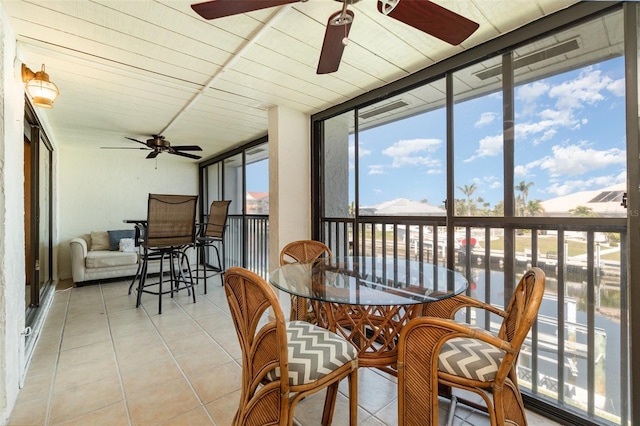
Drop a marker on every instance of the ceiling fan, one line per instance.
(424, 15)
(158, 144)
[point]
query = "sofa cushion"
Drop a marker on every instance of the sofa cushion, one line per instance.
(128, 245)
(105, 258)
(116, 236)
(99, 241)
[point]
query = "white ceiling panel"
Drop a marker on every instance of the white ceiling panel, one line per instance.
(136, 68)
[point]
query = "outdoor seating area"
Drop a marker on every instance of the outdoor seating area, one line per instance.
(446, 212)
(99, 360)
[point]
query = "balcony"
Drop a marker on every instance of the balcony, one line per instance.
(99, 360)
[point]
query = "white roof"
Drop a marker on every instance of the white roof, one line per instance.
(404, 206)
(603, 202)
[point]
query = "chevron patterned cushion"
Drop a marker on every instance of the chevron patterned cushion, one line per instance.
(313, 352)
(470, 358)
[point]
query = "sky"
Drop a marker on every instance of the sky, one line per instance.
(569, 130)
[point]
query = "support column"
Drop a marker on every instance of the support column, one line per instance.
(289, 180)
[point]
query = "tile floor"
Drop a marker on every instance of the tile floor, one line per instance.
(101, 361)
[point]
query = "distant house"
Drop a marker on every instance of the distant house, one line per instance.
(604, 202)
(257, 203)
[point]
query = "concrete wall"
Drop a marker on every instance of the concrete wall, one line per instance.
(12, 262)
(98, 189)
(289, 180)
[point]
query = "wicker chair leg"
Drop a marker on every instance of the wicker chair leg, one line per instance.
(353, 400)
(329, 404)
(509, 406)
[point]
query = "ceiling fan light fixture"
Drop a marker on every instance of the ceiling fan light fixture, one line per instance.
(41, 90)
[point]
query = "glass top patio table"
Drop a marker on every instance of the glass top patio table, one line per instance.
(368, 281)
(367, 300)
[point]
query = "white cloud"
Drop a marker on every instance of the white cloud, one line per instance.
(485, 118)
(405, 152)
(520, 171)
(489, 146)
(617, 87)
(529, 92)
(573, 160)
(376, 169)
(570, 186)
(362, 151)
(586, 89)
(411, 146)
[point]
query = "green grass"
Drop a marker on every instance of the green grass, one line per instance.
(548, 245)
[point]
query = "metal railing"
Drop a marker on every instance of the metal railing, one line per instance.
(247, 243)
(582, 329)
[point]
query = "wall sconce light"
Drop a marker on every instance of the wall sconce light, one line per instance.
(42, 91)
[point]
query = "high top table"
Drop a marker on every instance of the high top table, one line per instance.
(367, 300)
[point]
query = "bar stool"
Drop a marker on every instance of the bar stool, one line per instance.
(169, 232)
(212, 235)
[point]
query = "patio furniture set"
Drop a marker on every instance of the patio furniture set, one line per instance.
(393, 314)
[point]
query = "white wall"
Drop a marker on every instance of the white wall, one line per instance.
(12, 266)
(98, 189)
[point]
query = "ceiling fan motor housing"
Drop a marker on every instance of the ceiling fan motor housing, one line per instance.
(158, 142)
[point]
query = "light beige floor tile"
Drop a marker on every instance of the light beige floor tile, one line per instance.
(29, 412)
(374, 390)
(162, 403)
(112, 415)
(149, 374)
(96, 352)
(223, 409)
(36, 386)
(85, 399)
(216, 382)
(43, 363)
(178, 368)
(194, 344)
(134, 356)
(85, 373)
(78, 340)
(309, 411)
(196, 417)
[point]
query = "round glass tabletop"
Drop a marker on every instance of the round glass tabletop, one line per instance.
(368, 281)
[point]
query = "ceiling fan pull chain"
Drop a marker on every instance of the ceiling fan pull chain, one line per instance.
(345, 19)
(345, 40)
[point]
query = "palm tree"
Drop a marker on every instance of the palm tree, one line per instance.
(468, 191)
(582, 211)
(523, 188)
(534, 208)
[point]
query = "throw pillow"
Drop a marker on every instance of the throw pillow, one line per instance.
(127, 245)
(99, 241)
(116, 236)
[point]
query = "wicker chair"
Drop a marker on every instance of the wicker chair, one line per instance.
(282, 362)
(169, 231)
(302, 251)
(212, 235)
(431, 357)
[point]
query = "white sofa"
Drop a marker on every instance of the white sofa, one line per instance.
(99, 263)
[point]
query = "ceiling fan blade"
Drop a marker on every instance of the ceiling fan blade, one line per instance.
(186, 148)
(153, 154)
(136, 140)
(184, 154)
(121, 147)
(430, 18)
(332, 46)
(219, 8)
